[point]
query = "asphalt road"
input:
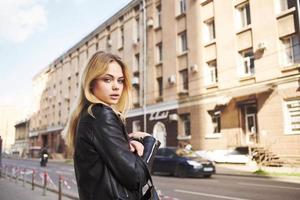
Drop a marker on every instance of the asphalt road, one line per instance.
(227, 187)
(218, 187)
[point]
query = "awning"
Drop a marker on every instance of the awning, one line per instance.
(219, 102)
(51, 130)
(249, 90)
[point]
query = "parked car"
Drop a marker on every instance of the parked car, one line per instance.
(172, 161)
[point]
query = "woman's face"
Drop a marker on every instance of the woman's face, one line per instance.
(109, 86)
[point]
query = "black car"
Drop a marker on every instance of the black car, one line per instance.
(172, 161)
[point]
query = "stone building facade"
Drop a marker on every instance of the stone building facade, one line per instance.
(213, 74)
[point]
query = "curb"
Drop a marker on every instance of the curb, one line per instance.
(291, 179)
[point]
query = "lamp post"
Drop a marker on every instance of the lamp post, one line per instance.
(144, 65)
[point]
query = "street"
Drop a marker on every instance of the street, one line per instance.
(218, 187)
(227, 187)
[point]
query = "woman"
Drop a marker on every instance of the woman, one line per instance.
(108, 163)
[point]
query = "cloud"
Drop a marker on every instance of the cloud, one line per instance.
(21, 18)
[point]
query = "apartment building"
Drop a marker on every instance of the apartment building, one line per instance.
(20, 147)
(213, 74)
(8, 117)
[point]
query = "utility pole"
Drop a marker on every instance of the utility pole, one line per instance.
(298, 12)
(144, 65)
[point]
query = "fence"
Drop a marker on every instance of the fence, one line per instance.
(57, 182)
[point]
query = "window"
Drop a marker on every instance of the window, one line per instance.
(212, 73)
(108, 42)
(247, 63)
(243, 15)
(292, 116)
(183, 42)
(282, 5)
(136, 125)
(209, 31)
(159, 52)
(186, 123)
(136, 62)
(77, 80)
(182, 6)
(137, 30)
(160, 86)
(121, 39)
(184, 82)
(290, 53)
(216, 120)
(135, 96)
(158, 16)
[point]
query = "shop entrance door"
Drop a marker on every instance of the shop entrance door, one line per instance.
(159, 132)
(250, 124)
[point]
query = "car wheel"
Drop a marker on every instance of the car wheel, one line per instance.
(207, 175)
(179, 172)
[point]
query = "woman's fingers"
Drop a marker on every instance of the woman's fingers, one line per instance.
(137, 146)
(132, 149)
(138, 134)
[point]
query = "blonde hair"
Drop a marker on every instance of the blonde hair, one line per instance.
(96, 66)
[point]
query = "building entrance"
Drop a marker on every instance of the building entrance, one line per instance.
(159, 132)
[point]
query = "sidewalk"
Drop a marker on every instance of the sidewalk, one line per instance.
(10, 190)
(248, 170)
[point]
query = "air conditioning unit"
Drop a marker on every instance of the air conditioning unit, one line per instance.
(135, 42)
(135, 81)
(109, 42)
(172, 79)
(261, 46)
(194, 68)
(150, 22)
(173, 117)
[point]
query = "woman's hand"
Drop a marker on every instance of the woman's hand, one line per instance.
(136, 146)
(138, 134)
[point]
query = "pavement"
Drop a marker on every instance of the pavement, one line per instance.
(250, 168)
(10, 190)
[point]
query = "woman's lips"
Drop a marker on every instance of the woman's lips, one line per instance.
(114, 96)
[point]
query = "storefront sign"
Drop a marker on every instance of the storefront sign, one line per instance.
(158, 115)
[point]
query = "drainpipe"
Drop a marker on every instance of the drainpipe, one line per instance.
(298, 12)
(144, 65)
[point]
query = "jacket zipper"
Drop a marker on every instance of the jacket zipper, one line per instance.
(126, 192)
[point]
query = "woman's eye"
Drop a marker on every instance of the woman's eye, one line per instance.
(107, 80)
(121, 81)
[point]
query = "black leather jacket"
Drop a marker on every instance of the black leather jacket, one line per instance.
(105, 168)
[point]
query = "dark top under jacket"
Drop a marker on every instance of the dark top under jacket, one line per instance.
(105, 168)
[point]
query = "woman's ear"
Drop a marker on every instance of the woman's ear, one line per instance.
(92, 86)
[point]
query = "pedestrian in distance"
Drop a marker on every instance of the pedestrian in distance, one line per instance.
(109, 163)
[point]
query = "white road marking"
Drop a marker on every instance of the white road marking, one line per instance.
(270, 186)
(210, 195)
(64, 173)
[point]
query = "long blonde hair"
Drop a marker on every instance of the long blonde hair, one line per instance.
(96, 66)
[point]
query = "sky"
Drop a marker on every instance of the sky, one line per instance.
(33, 33)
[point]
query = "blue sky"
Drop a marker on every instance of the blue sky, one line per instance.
(35, 32)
